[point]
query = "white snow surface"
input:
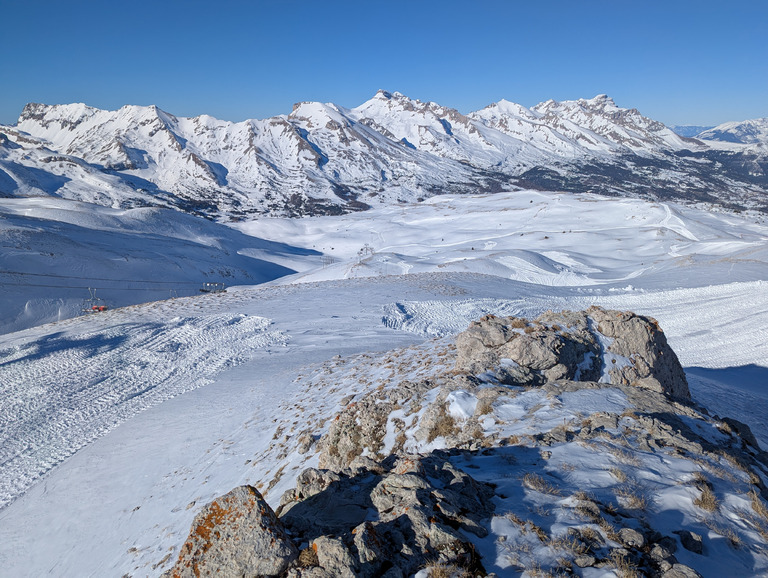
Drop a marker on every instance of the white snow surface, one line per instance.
(104, 462)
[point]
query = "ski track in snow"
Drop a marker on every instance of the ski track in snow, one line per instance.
(61, 392)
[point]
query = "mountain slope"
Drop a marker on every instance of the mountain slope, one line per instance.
(324, 159)
(53, 250)
(746, 132)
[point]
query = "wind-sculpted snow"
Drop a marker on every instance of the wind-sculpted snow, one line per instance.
(61, 392)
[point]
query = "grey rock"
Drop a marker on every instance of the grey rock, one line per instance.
(569, 345)
(361, 425)
(368, 543)
(584, 561)
(237, 534)
(659, 554)
(654, 364)
(539, 352)
(334, 557)
(681, 571)
(405, 512)
(666, 564)
(691, 541)
(631, 538)
(312, 572)
(669, 544)
(743, 430)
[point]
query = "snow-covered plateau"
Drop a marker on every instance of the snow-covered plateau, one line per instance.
(117, 427)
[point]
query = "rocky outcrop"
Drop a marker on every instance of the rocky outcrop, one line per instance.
(595, 345)
(478, 468)
(237, 534)
(388, 518)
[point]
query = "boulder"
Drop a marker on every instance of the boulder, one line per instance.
(615, 347)
(237, 534)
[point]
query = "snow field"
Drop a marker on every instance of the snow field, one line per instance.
(53, 250)
(702, 275)
(547, 239)
(62, 392)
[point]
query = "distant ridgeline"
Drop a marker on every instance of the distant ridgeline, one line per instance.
(567, 442)
(327, 159)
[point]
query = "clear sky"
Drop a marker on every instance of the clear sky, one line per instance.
(679, 61)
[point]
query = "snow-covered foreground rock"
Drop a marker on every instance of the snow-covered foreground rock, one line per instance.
(514, 458)
(266, 369)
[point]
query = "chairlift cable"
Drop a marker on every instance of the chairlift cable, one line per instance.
(55, 276)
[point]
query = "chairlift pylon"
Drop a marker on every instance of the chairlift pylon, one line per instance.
(94, 304)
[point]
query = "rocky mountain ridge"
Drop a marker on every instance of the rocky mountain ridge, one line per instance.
(325, 159)
(749, 132)
(564, 445)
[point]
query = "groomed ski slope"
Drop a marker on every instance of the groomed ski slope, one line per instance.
(105, 463)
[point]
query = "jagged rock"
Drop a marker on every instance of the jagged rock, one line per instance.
(394, 517)
(653, 365)
(308, 483)
(743, 430)
(584, 561)
(597, 344)
(529, 353)
(311, 572)
(237, 534)
(334, 557)
(361, 425)
(665, 547)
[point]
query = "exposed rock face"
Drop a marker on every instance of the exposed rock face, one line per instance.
(420, 506)
(237, 534)
(615, 347)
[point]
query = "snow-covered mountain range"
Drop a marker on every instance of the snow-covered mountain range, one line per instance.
(326, 159)
(752, 132)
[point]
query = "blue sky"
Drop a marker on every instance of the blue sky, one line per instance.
(679, 61)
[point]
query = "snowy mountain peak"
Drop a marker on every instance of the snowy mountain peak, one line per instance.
(382, 94)
(604, 124)
(601, 100)
(319, 114)
(65, 115)
(600, 104)
(324, 158)
(505, 108)
(746, 132)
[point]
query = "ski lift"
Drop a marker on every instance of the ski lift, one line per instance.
(212, 288)
(94, 304)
